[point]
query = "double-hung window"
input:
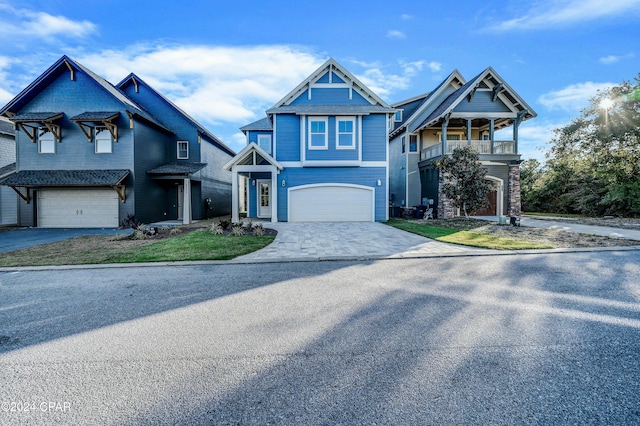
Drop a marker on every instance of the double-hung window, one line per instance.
(318, 138)
(413, 143)
(345, 133)
(103, 140)
(264, 142)
(46, 141)
(183, 150)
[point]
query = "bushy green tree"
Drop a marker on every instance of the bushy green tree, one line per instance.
(465, 182)
(593, 165)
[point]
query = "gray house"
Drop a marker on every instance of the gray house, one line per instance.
(8, 198)
(457, 113)
(89, 154)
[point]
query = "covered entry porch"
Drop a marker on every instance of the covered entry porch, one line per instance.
(254, 183)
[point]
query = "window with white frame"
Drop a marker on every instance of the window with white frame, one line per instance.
(264, 142)
(345, 133)
(103, 140)
(318, 133)
(398, 116)
(46, 141)
(413, 143)
(183, 150)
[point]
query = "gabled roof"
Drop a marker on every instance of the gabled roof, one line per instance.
(9, 168)
(249, 150)
(492, 80)
(134, 79)
(427, 101)
(66, 64)
(331, 65)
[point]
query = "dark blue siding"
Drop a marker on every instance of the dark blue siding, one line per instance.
(324, 96)
(288, 137)
(374, 137)
(481, 101)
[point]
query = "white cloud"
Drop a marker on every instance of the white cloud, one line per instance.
(213, 84)
(612, 59)
(533, 137)
(561, 13)
(406, 17)
(17, 24)
(384, 83)
(573, 97)
(435, 66)
(396, 35)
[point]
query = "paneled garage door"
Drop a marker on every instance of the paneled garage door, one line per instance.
(78, 208)
(331, 203)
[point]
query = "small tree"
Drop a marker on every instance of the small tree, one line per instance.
(465, 182)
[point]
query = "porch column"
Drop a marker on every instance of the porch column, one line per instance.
(444, 137)
(186, 202)
(468, 131)
(235, 212)
(493, 120)
(274, 194)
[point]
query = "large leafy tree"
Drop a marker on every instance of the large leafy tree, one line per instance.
(465, 182)
(593, 165)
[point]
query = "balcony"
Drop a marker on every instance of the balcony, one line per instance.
(483, 148)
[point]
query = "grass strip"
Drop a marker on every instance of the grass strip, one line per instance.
(466, 238)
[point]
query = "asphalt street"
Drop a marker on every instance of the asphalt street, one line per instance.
(524, 339)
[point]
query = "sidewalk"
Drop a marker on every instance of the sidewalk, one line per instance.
(629, 234)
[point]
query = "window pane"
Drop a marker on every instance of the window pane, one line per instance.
(317, 127)
(345, 126)
(47, 143)
(264, 142)
(317, 140)
(345, 140)
(103, 141)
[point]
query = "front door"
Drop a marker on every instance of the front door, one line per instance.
(264, 198)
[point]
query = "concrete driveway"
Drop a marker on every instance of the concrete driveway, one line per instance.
(346, 240)
(17, 239)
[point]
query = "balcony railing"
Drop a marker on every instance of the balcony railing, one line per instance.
(483, 147)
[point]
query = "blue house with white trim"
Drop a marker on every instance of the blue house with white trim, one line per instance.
(88, 154)
(321, 154)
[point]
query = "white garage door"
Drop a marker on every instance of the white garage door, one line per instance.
(78, 208)
(331, 203)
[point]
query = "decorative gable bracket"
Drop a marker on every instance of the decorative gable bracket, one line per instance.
(496, 91)
(30, 123)
(86, 121)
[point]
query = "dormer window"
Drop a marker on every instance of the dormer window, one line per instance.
(103, 140)
(183, 150)
(398, 116)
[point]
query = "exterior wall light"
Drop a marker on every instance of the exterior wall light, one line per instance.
(283, 183)
(379, 182)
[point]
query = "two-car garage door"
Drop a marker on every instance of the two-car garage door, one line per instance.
(331, 203)
(78, 208)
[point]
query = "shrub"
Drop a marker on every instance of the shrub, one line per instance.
(258, 230)
(237, 229)
(140, 232)
(216, 229)
(224, 224)
(129, 222)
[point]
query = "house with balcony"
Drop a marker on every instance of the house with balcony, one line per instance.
(457, 113)
(320, 154)
(89, 154)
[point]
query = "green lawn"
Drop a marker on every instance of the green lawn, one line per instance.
(463, 237)
(196, 245)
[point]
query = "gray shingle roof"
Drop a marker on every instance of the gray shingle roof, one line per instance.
(35, 116)
(7, 169)
(262, 124)
(6, 127)
(95, 116)
(177, 169)
(330, 109)
(66, 177)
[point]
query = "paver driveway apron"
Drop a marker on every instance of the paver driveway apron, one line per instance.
(28, 237)
(335, 240)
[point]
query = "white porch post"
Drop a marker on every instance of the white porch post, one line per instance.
(235, 215)
(274, 194)
(186, 202)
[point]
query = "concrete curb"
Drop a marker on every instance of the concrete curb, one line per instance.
(399, 256)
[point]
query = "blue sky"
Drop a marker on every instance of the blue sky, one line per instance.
(226, 62)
